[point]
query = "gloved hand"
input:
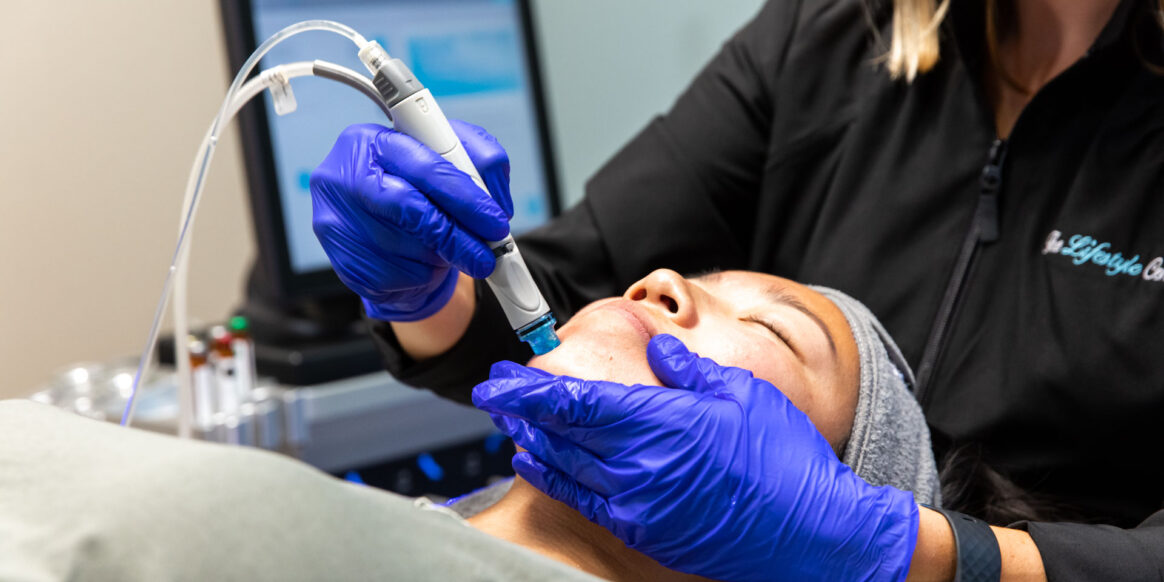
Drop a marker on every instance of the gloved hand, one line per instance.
(722, 477)
(397, 221)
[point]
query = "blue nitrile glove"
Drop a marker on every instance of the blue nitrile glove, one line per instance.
(722, 477)
(397, 221)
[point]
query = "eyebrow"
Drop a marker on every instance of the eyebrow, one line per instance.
(778, 295)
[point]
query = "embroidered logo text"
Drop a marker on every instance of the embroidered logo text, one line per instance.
(1083, 249)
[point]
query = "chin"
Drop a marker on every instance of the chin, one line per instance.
(599, 348)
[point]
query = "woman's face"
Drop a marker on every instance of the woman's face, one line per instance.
(782, 331)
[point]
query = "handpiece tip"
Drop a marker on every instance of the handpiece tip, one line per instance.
(541, 336)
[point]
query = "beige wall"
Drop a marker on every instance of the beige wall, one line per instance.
(102, 105)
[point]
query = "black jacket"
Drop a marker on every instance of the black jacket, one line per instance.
(1028, 300)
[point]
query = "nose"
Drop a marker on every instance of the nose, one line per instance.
(668, 292)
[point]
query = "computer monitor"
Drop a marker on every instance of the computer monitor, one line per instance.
(479, 59)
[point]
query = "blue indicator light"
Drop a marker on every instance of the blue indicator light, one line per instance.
(430, 467)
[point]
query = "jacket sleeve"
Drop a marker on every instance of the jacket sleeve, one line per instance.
(1077, 552)
(680, 195)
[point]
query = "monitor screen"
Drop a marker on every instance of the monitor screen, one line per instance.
(474, 55)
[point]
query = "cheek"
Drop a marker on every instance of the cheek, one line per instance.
(785, 371)
(830, 412)
(780, 367)
(766, 359)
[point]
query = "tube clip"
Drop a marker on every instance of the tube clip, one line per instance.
(280, 87)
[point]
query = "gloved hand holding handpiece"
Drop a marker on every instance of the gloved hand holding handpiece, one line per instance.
(719, 475)
(398, 221)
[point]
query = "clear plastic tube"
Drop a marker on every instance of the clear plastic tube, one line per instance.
(254, 87)
(248, 91)
(194, 189)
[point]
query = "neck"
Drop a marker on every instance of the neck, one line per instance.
(528, 518)
(1039, 40)
(1050, 35)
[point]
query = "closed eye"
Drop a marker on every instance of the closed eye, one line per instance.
(768, 325)
(775, 331)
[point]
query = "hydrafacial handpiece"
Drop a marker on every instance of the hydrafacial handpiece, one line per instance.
(415, 113)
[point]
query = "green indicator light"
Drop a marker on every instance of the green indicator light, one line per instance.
(238, 323)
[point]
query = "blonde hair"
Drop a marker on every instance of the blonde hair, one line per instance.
(914, 48)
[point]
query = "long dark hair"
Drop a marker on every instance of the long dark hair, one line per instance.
(971, 486)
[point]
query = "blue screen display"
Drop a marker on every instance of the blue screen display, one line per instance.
(470, 53)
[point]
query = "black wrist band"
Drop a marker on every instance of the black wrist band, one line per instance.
(979, 559)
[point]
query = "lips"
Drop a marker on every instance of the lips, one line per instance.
(634, 315)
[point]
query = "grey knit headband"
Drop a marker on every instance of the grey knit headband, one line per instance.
(890, 442)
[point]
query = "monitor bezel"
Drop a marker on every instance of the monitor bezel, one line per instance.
(273, 253)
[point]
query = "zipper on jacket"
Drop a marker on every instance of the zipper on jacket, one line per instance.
(983, 229)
